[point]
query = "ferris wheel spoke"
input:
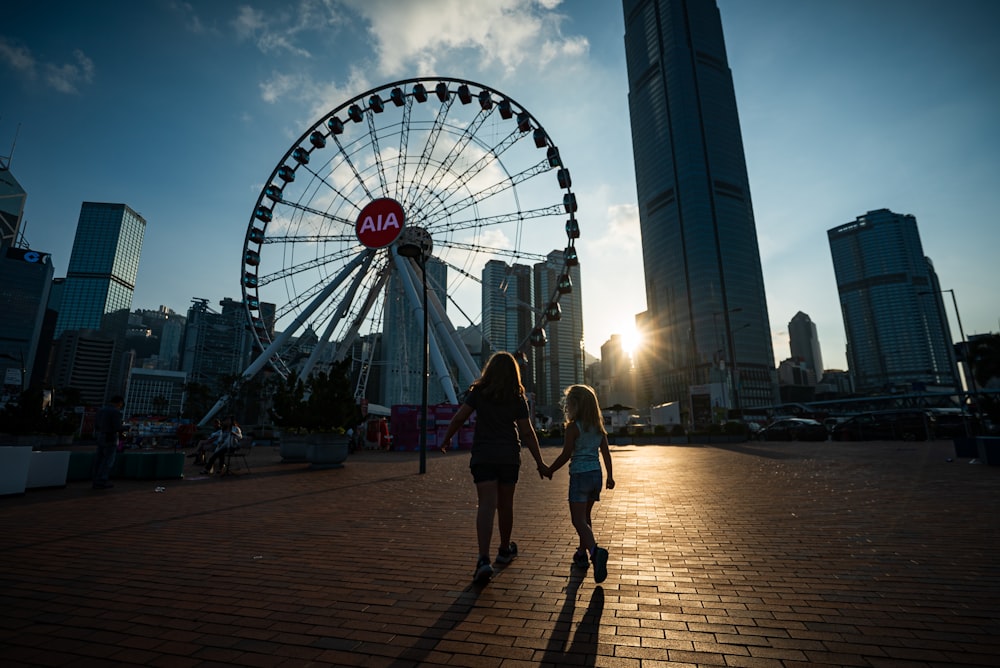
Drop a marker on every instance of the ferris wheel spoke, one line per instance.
(323, 214)
(486, 193)
(376, 151)
(404, 138)
(311, 239)
(319, 261)
(488, 221)
(512, 253)
(429, 145)
(492, 155)
(444, 166)
(350, 163)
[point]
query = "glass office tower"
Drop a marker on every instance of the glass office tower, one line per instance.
(898, 337)
(707, 321)
(103, 266)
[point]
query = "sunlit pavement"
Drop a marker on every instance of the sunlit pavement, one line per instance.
(759, 554)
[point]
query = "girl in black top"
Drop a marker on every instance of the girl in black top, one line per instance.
(502, 423)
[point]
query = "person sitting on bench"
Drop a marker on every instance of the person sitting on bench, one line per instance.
(230, 440)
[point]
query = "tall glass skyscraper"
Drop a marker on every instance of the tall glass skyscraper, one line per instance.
(897, 332)
(707, 320)
(103, 266)
(804, 342)
(508, 305)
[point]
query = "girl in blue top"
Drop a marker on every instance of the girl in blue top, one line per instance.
(585, 436)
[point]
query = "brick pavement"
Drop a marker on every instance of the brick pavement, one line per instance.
(871, 554)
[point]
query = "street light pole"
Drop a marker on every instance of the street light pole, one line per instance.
(414, 251)
(970, 377)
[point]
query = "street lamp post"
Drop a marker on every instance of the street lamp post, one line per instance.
(414, 251)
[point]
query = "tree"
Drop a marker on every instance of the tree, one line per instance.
(322, 403)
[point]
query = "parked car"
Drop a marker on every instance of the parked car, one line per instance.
(793, 429)
(905, 425)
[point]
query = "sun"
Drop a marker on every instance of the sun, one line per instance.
(631, 341)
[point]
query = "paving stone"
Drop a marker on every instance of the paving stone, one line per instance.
(755, 554)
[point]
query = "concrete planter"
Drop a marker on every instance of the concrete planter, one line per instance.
(989, 449)
(320, 450)
(327, 451)
(15, 461)
(48, 469)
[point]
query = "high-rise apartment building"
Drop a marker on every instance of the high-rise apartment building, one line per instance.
(560, 362)
(898, 337)
(216, 344)
(103, 266)
(508, 305)
(804, 343)
(706, 320)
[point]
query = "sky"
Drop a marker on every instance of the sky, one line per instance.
(182, 109)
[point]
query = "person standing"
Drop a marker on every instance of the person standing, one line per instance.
(107, 429)
(502, 423)
(585, 436)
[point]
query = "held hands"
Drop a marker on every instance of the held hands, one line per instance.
(544, 471)
(445, 446)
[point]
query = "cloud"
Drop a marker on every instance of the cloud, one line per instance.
(192, 22)
(17, 57)
(66, 78)
(505, 33)
(284, 31)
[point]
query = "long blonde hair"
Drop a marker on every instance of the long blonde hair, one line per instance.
(501, 378)
(580, 404)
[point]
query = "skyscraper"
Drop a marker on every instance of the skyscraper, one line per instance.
(706, 320)
(559, 363)
(12, 198)
(897, 334)
(103, 266)
(804, 343)
(508, 305)
(25, 281)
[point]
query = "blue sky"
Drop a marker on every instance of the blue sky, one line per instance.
(182, 109)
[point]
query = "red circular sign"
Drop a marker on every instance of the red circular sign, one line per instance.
(380, 223)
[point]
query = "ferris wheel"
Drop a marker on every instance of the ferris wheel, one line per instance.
(435, 175)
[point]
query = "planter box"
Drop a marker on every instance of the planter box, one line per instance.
(15, 461)
(48, 469)
(965, 447)
(988, 448)
(81, 465)
(328, 453)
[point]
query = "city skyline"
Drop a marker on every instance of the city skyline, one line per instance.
(187, 135)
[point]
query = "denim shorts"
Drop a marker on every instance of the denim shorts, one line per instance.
(586, 486)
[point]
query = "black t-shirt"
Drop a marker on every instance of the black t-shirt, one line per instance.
(496, 422)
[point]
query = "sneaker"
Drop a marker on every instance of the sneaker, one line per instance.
(600, 564)
(506, 556)
(580, 559)
(484, 571)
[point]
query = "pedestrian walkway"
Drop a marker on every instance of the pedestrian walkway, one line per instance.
(755, 554)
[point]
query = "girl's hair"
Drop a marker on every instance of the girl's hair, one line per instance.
(501, 378)
(580, 404)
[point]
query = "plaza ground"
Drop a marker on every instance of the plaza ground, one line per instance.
(753, 554)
